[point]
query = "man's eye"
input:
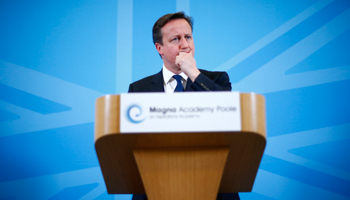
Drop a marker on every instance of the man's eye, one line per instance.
(175, 39)
(188, 37)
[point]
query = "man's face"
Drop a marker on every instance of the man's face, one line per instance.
(177, 37)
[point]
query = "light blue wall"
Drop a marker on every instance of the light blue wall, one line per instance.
(57, 57)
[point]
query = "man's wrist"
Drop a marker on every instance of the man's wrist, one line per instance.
(193, 75)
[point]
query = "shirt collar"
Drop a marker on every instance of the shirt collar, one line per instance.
(167, 75)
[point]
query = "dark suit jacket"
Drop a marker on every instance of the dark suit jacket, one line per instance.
(206, 81)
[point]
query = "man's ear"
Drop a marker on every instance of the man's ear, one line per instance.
(159, 48)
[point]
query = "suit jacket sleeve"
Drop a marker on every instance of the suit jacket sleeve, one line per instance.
(211, 81)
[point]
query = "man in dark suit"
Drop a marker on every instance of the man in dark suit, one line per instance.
(172, 37)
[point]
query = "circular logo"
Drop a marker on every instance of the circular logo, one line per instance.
(134, 114)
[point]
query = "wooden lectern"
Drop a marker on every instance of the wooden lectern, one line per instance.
(180, 166)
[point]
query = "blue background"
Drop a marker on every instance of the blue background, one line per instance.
(57, 57)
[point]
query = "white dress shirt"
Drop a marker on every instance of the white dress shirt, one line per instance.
(169, 82)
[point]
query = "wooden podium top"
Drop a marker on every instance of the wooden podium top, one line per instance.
(118, 165)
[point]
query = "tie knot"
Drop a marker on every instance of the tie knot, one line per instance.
(178, 78)
(179, 86)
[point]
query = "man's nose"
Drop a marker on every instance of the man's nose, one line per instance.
(184, 44)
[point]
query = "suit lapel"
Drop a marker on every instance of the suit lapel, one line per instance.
(157, 83)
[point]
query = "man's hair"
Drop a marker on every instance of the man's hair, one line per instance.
(160, 23)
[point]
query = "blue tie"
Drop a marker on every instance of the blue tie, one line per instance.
(179, 87)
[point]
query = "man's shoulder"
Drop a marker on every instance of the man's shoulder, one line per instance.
(151, 83)
(147, 79)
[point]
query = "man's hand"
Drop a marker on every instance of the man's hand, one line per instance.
(187, 64)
